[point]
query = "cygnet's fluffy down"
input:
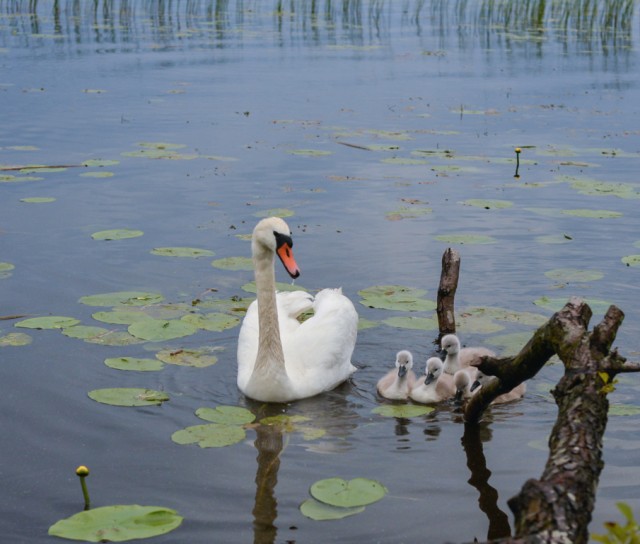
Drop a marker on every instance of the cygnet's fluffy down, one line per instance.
(435, 386)
(516, 393)
(397, 383)
(463, 382)
(458, 358)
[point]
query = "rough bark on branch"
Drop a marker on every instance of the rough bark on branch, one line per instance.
(447, 292)
(557, 508)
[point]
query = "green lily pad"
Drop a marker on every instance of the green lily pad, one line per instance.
(114, 338)
(405, 161)
(191, 252)
(226, 415)
(128, 396)
(120, 317)
(48, 322)
(414, 323)
(236, 305)
(593, 214)
(396, 297)
(285, 422)
(509, 344)
(117, 523)
(503, 314)
(624, 410)
(402, 410)
(310, 152)
(84, 332)
(488, 204)
(573, 275)
(100, 162)
(407, 212)
(215, 322)
(212, 435)
(319, 511)
(116, 234)
(348, 494)
(97, 174)
(15, 339)
(604, 188)
(38, 199)
(134, 363)
(122, 298)
(478, 324)
(556, 304)
(6, 267)
(631, 260)
(364, 324)
(158, 330)
(275, 212)
(187, 357)
(466, 239)
(233, 263)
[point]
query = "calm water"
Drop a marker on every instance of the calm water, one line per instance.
(376, 124)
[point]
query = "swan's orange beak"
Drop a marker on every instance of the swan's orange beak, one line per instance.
(285, 253)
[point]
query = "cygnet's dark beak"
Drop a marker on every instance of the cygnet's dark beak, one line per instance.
(402, 370)
(458, 395)
(474, 385)
(429, 378)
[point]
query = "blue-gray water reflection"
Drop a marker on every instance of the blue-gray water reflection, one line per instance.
(417, 108)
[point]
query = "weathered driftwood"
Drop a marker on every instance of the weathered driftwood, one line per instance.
(557, 508)
(447, 292)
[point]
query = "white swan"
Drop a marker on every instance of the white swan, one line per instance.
(397, 383)
(434, 386)
(457, 358)
(516, 393)
(280, 359)
(463, 383)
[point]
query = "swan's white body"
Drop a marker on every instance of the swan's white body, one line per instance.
(279, 358)
(457, 358)
(435, 385)
(516, 393)
(463, 381)
(397, 383)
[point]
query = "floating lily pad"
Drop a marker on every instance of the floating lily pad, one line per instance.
(556, 304)
(509, 344)
(134, 363)
(348, 494)
(573, 275)
(116, 234)
(187, 357)
(488, 204)
(275, 212)
(319, 511)
(48, 322)
(120, 317)
(122, 298)
(191, 252)
(212, 435)
(631, 260)
(158, 330)
(593, 214)
(97, 174)
(128, 396)
(408, 212)
(310, 152)
(364, 324)
(624, 410)
(285, 422)
(226, 415)
(603, 188)
(215, 322)
(5, 270)
(402, 410)
(38, 199)
(466, 239)
(100, 162)
(233, 263)
(84, 332)
(234, 304)
(405, 161)
(410, 322)
(114, 338)
(396, 297)
(117, 523)
(503, 314)
(478, 324)
(15, 339)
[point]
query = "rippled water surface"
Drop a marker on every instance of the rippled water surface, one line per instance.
(385, 131)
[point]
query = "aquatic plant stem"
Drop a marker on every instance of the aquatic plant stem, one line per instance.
(82, 473)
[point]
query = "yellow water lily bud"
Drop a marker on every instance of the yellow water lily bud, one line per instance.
(518, 150)
(82, 471)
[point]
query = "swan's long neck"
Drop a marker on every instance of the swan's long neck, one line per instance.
(269, 344)
(451, 363)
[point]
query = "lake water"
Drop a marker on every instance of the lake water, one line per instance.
(386, 132)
